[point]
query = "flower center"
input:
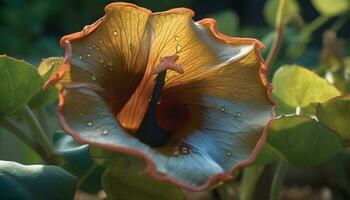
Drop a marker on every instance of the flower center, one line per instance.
(149, 131)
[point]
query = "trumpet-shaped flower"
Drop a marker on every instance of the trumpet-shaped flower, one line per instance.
(190, 101)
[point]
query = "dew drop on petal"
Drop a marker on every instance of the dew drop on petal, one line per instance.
(238, 114)
(222, 108)
(176, 38)
(88, 55)
(101, 42)
(93, 77)
(89, 124)
(176, 151)
(228, 153)
(115, 33)
(178, 48)
(80, 57)
(185, 150)
(102, 131)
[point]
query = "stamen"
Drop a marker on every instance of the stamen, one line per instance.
(168, 62)
(149, 131)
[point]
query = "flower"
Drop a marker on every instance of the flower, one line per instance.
(190, 101)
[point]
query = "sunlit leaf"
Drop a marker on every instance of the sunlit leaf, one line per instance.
(303, 141)
(123, 180)
(295, 86)
(331, 7)
(46, 69)
(335, 114)
(34, 182)
(270, 11)
(19, 82)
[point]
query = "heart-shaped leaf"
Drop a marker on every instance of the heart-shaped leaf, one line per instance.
(19, 82)
(46, 69)
(331, 7)
(123, 180)
(34, 182)
(335, 114)
(295, 86)
(303, 141)
(292, 11)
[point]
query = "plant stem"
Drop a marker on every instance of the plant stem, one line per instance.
(278, 179)
(314, 25)
(87, 174)
(38, 131)
(250, 178)
(280, 24)
(13, 128)
(339, 23)
(42, 116)
(221, 192)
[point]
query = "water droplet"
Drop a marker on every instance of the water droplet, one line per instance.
(101, 42)
(178, 48)
(115, 33)
(110, 64)
(159, 102)
(238, 114)
(102, 131)
(81, 57)
(228, 153)
(185, 150)
(176, 151)
(222, 108)
(150, 99)
(176, 38)
(89, 124)
(88, 55)
(93, 77)
(97, 48)
(101, 60)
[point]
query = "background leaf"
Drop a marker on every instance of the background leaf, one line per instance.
(303, 141)
(19, 82)
(123, 179)
(34, 182)
(335, 114)
(79, 162)
(331, 7)
(46, 69)
(295, 86)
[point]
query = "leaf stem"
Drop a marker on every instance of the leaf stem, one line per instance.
(278, 179)
(87, 174)
(42, 117)
(280, 24)
(250, 178)
(13, 128)
(339, 23)
(38, 131)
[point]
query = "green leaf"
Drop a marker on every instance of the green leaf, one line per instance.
(267, 155)
(19, 82)
(335, 114)
(270, 11)
(228, 21)
(78, 162)
(123, 179)
(46, 69)
(331, 7)
(34, 182)
(303, 141)
(295, 86)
